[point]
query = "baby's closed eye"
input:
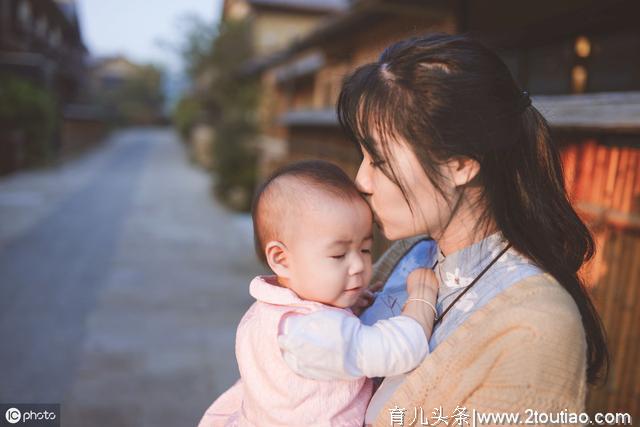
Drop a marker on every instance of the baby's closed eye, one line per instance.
(340, 256)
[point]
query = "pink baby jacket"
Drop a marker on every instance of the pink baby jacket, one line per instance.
(268, 392)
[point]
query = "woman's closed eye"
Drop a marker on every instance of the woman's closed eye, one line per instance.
(377, 163)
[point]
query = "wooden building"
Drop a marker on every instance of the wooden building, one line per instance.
(41, 40)
(41, 43)
(274, 25)
(579, 60)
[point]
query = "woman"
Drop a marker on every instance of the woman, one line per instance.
(454, 150)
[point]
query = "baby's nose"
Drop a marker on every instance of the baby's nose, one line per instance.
(357, 265)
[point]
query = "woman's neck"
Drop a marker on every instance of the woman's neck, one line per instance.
(461, 231)
(451, 244)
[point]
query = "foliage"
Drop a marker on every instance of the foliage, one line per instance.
(31, 110)
(138, 99)
(228, 102)
(198, 39)
(185, 115)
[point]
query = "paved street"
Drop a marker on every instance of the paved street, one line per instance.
(121, 285)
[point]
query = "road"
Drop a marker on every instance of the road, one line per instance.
(122, 283)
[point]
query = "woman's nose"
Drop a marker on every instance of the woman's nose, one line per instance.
(363, 179)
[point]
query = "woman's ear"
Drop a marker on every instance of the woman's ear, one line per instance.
(462, 170)
(277, 256)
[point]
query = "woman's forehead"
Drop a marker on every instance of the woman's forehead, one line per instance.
(383, 145)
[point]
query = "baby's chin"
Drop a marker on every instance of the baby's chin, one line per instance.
(353, 296)
(346, 301)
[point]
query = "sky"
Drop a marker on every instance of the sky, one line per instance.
(140, 29)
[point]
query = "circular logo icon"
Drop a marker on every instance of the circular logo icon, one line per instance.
(12, 415)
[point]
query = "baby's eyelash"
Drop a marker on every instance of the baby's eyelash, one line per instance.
(366, 251)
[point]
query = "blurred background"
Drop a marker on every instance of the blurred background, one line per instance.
(132, 137)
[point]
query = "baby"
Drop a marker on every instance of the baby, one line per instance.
(303, 355)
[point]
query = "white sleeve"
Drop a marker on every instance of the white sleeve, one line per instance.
(329, 344)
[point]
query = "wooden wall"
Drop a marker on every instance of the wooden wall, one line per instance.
(603, 179)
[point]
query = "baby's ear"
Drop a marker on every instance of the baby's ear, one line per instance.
(278, 258)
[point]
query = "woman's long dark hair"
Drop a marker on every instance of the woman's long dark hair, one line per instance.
(448, 96)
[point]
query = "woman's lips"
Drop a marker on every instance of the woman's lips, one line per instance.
(376, 220)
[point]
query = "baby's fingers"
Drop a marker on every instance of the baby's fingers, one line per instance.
(364, 300)
(376, 286)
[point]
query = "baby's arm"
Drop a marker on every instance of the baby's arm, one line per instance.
(333, 344)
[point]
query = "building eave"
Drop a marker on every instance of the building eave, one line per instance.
(605, 112)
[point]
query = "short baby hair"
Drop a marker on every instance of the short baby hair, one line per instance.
(283, 195)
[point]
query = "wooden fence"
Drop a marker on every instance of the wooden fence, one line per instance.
(603, 179)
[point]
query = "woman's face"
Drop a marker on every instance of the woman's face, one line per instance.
(396, 220)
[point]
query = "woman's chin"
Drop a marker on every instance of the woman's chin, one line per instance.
(397, 234)
(391, 234)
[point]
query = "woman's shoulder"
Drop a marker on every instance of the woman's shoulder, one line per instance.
(540, 292)
(533, 326)
(538, 303)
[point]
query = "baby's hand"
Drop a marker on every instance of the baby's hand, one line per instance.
(365, 299)
(422, 283)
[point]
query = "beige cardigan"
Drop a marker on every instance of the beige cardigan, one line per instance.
(523, 351)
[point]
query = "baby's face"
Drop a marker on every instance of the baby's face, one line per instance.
(330, 255)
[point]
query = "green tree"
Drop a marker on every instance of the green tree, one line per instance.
(139, 99)
(30, 110)
(228, 101)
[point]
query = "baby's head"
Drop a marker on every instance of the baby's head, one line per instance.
(314, 230)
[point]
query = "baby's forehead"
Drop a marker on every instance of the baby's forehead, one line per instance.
(336, 220)
(323, 201)
(312, 207)
(301, 192)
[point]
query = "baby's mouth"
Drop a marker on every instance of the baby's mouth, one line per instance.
(353, 289)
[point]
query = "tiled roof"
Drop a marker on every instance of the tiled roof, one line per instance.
(606, 111)
(325, 117)
(308, 64)
(612, 111)
(329, 6)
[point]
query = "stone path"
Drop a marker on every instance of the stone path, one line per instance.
(121, 285)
